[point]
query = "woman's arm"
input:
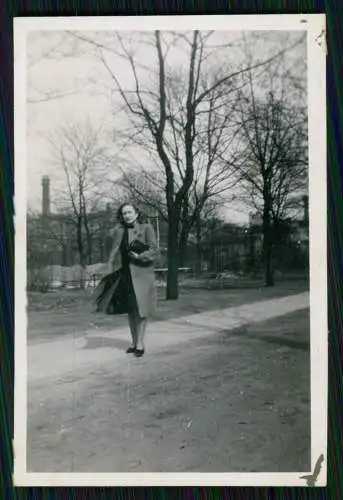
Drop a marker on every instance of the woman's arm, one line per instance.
(150, 239)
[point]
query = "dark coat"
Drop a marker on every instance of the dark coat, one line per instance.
(141, 267)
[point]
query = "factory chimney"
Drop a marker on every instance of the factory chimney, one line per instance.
(45, 195)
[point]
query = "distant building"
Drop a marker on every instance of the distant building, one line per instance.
(52, 237)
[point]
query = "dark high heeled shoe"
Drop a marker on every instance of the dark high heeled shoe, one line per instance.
(139, 353)
(130, 350)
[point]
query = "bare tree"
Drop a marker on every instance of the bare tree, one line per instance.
(176, 116)
(213, 178)
(78, 151)
(273, 169)
(167, 116)
(216, 136)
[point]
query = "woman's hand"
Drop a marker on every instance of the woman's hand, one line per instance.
(133, 255)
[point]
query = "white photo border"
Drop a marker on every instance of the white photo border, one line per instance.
(314, 25)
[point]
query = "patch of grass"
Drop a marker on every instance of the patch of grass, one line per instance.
(206, 295)
(69, 312)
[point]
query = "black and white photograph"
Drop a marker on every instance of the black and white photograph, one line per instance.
(170, 214)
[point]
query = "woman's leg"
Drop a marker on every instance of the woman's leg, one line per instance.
(140, 330)
(139, 322)
(133, 328)
(131, 305)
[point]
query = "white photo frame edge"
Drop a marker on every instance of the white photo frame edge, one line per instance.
(314, 24)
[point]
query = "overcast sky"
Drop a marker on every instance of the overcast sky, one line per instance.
(57, 66)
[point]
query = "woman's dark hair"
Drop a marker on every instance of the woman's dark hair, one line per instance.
(134, 206)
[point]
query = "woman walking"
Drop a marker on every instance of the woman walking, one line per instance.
(130, 286)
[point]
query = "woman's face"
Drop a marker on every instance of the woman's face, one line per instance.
(129, 214)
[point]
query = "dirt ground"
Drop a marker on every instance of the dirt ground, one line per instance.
(238, 401)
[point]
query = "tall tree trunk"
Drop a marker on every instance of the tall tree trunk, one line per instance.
(81, 251)
(88, 231)
(198, 243)
(267, 244)
(252, 249)
(173, 260)
(184, 233)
